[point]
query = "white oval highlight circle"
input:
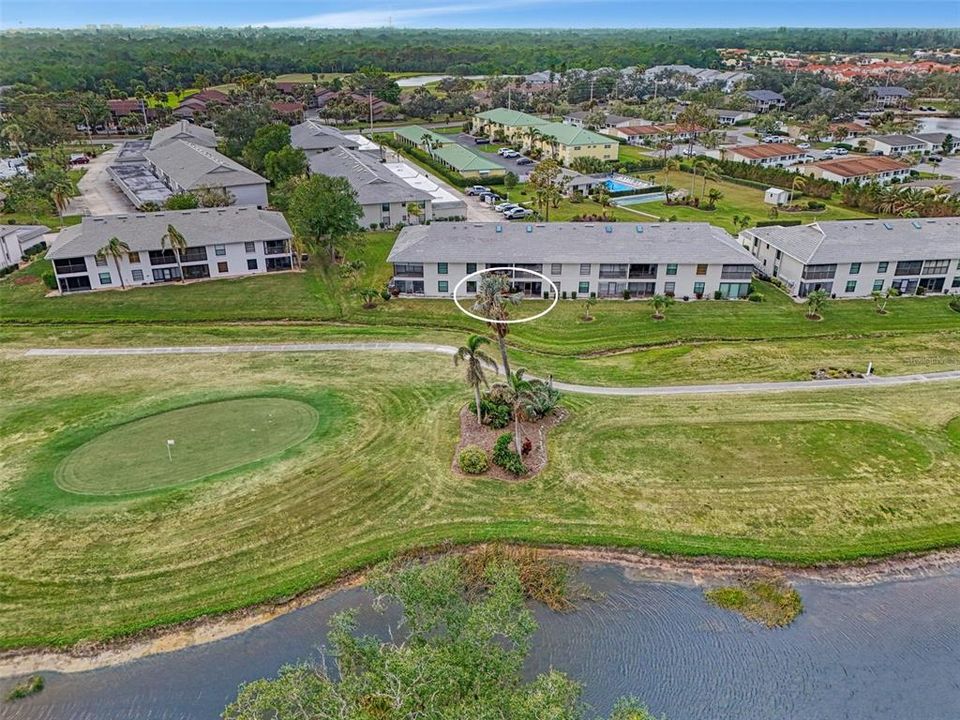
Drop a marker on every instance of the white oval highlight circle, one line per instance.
(477, 273)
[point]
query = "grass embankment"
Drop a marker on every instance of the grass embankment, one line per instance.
(867, 472)
(704, 341)
(769, 602)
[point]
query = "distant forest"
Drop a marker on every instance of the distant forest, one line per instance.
(164, 59)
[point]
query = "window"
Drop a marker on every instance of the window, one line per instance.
(669, 288)
(936, 267)
(556, 269)
(441, 268)
(250, 247)
(698, 288)
(671, 268)
(851, 286)
(193, 254)
(878, 285)
(137, 275)
(736, 272)
(819, 272)
(471, 286)
(222, 267)
(220, 250)
(252, 264)
(443, 286)
(701, 269)
(133, 258)
(882, 267)
(385, 207)
(471, 268)
(105, 278)
(162, 257)
(585, 269)
(101, 260)
(70, 265)
(908, 267)
(956, 282)
(584, 288)
(613, 271)
(854, 268)
(408, 269)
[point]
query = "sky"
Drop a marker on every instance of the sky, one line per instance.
(482, 13)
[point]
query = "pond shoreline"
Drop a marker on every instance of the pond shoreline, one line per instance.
(637, 565)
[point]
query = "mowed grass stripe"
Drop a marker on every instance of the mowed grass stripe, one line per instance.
(208, 439)
(92, 567)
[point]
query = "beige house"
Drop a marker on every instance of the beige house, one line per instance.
(563, 142)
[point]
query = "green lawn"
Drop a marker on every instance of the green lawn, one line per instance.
(867, 472)
(173, 99)
(632, 152)
(699, 341)
(737, 200)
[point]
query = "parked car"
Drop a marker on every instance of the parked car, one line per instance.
(934, 159)
(524, 161)
(490, 198)
(803, 146)
(500, 207)
(481, 140)
(839, 150)
(517, 213)
(511, 154)
(478, 190)
(504, 149)
(772, 139)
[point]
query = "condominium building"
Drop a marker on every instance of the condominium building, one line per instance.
(854, 258)
(563, 142)
(221, 243)
(690, 260)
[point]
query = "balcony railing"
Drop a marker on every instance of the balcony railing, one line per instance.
(819, 274)
(275, 247)
(64, 268)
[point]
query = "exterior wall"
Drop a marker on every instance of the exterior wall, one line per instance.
(882, 178)
(790, 271)
(10, 252)
(235, 255)
(886, 149)
(776, 161)
(570, 278)
(250, 194)
(375, 216)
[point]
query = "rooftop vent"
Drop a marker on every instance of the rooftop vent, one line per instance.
(888, 226)
(529, 228)
(868, 223)
(499, 228)
(609, 228)
(916, 224)
(639, 228)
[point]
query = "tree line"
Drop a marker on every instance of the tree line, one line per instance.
(163, 59)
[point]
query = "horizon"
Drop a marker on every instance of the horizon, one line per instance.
(459, 15)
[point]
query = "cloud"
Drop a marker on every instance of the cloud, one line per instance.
(382, 16)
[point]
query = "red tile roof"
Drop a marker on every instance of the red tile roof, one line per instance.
(765, 150)
(857, 166)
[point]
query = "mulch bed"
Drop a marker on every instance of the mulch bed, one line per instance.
(25, 280)
(485, 436)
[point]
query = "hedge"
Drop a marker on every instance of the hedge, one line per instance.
(784, 223)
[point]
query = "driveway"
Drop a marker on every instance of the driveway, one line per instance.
(521, 171)
(950, 165)
(98, 193)
(415, 347)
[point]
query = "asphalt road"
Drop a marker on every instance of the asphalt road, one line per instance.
(98, 194)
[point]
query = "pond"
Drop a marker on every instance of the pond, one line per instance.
(890, 649)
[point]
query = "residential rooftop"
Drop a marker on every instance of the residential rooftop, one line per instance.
(890, 91)
(614, 242)
(764, 95)
(144, 231)
(857, 166)
(511, 118)
(373, 182)
(765, 150)
(184, 130)
(463, 159)
(313, 135)
(897, 140)
(192, 166)
(840, 241)
(416, 133)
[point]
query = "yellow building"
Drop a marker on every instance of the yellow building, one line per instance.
(565, 143)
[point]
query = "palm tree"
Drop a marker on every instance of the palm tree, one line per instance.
(475, 357)
(177, 243)
(415, 211)
(61, 190)
(709, 173)
(799, 181)
(602, 197)
(660, 304)
(115, 248)
(670, 166)
(493, 296)
(13, 134)
(521, 393)
(816, 301)
(882, 298)
(714, 195)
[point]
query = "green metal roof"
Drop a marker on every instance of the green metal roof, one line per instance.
(511, 118)
(572, 135)
(415, 133)
(463, 159)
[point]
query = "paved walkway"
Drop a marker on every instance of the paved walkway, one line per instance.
(713, 389)
(98, 195)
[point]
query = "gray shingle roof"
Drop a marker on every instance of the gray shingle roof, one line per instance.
(372, 181)
(767, 95)
(23, 233)
(143, 231)
(839, 241)
(896, 140)
(193, 166)
(184, 130)
(890, 91)
(568, 242)
(312, 135)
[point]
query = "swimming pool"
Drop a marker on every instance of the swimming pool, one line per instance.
(617, 186)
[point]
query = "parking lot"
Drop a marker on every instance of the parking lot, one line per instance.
(520, 170)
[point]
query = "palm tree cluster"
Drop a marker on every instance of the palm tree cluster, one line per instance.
(493, 298)
(902, 201)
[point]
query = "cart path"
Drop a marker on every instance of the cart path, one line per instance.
(415, 347)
